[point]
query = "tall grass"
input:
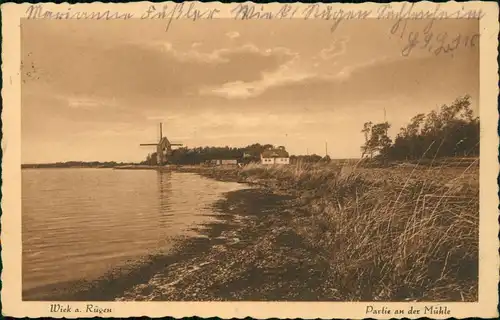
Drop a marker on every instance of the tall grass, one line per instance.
(389, 234)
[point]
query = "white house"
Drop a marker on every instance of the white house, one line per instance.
(275, 156)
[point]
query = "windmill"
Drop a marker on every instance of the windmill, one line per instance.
(163, 148)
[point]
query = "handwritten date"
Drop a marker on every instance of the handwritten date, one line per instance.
(438, 43)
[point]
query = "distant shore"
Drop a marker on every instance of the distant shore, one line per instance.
(450, 161)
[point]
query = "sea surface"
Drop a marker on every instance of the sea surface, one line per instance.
(79, 224)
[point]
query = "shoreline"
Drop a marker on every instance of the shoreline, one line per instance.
(198, 267)
(274, 242)
(252, 223)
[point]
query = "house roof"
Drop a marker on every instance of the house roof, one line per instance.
(275, 153)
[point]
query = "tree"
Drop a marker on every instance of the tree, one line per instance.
(451, 131)
(376, 138)
(150, 159)
(367, 127)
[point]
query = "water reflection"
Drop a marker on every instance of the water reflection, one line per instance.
(164, 180)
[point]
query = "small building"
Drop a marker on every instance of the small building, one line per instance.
(223, 162)
(230, 162)
(275, 156)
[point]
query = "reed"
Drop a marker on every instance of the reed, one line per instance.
(391, 233)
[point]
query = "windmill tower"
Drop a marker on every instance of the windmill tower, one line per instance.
(163, 147)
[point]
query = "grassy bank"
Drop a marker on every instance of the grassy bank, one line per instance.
(387, 234)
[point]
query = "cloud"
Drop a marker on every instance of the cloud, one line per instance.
(139, 72)
(223, 55)
(337, 48)
(285, 73)
(295, 73)
(233, 35)
(383, 78)
(348, 70)
(243, 90)
(89, 103)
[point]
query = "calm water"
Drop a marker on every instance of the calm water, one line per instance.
(81, 223)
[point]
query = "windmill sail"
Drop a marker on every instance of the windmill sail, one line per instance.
(163, 147)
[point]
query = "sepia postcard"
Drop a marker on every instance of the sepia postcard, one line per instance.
(305, 160)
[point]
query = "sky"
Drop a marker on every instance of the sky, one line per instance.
(95, 90)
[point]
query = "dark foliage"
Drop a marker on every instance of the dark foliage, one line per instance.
(248, 154)
(451, 132)
(198, 155)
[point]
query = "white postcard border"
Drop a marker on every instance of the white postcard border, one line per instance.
(11, 190)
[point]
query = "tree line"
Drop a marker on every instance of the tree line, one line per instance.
(197, 155)
(250, 153)
(452, 131)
